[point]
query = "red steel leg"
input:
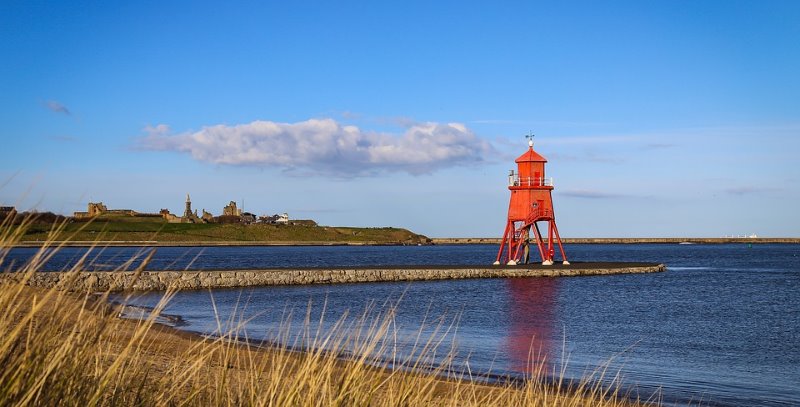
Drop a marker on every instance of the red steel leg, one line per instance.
(539, 242)
(560, 247)
(550, 236)
(503, 243)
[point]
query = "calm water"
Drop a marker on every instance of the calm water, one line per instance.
(721, 326)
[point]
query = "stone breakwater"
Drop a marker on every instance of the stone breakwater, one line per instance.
(193, 280)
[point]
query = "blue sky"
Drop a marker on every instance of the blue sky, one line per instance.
(671, 118)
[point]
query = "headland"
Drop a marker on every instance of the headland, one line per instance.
(99, 225)
(147, 232)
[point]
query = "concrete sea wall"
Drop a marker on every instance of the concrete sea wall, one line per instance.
(192, 280)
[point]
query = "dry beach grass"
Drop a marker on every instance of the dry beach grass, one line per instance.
(71, 348)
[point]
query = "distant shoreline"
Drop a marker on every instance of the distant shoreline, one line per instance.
(631, 240)
(434, 241)
(155, 243)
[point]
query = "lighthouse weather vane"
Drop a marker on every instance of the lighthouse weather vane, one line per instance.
(530, 137)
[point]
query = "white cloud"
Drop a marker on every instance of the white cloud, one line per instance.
(326, 146)
(155, 131)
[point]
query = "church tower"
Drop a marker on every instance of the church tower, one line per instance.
(188, 212)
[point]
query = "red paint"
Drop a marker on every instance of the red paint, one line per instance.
(531, 203)
(532, 339)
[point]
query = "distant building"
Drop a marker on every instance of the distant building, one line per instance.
(188, 215)
(231, 210)
(276, 219)
(169, 217)
(94, 209)
(248, 218)
(207, 217)
(282, 218)
(97, 208)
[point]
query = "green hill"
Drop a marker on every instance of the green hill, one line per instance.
(130, 229)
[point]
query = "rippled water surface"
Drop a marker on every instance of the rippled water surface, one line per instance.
(722, 325)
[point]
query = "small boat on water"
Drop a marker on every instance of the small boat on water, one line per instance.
(686, 243)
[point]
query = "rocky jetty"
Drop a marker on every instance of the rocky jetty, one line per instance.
(192, 280)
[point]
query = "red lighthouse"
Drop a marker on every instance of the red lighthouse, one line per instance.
(531, 203)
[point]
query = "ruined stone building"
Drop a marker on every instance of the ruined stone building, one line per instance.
(231, 210)
(169, 217)
(98, 208)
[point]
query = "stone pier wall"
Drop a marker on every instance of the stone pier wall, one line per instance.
(192, 280)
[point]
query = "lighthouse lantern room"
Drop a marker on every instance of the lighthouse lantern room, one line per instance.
(531, 204)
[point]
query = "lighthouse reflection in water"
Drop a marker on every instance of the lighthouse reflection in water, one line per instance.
(530, 337)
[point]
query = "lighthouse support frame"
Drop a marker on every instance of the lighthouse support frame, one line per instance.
(511, 245)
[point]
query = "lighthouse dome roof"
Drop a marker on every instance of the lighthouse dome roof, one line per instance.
(530, 156)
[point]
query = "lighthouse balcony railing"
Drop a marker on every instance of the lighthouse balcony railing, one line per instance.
(518, 181)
